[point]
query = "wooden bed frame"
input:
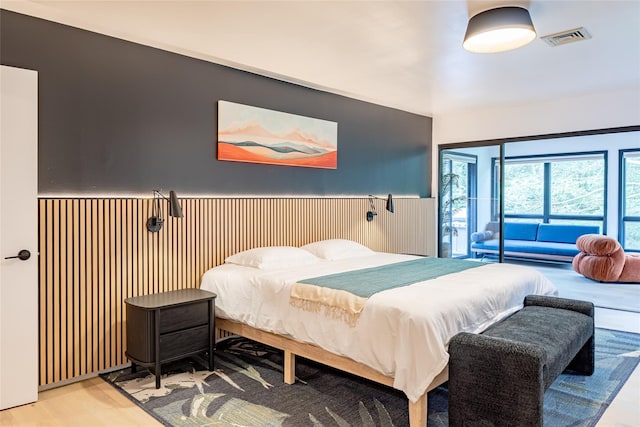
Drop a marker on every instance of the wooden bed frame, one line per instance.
(291, 348)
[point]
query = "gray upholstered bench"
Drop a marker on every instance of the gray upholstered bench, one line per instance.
(498, 378)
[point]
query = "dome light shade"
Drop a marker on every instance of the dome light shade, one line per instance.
(498, 30)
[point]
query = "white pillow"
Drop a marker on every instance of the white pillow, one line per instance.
(272, 257)
(334, 249)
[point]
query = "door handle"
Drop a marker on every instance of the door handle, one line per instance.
(23, 255)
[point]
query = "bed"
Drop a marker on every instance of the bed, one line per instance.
(401, 334)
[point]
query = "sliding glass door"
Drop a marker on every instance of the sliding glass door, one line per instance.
(584, 178)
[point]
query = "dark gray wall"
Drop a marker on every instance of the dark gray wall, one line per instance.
(119, 117)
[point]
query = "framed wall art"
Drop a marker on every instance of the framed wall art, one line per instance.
(257, 135)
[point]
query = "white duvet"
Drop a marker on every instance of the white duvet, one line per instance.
(402, 332)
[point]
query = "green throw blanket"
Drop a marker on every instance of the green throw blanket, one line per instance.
(369, 281)
(343, 295)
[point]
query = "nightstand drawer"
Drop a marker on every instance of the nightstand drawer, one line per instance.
(184, 316)
(184, 342)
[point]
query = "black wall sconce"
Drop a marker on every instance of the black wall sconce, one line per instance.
(154, 223)
(372, 209)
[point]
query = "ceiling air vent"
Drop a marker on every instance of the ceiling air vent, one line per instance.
(564, 37)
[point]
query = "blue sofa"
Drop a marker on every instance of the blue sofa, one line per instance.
(554, 242)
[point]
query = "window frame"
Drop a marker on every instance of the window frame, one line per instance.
(622, 197)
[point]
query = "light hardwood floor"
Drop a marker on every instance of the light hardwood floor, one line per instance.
(87, 403)
(624, 411)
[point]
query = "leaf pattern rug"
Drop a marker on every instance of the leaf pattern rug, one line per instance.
(246, 389)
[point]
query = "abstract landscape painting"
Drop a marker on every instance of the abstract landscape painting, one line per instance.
(257, 135)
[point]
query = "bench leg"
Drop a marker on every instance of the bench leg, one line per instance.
(584, 362)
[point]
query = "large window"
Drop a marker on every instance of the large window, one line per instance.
(567, 188)
(630, 199)
(524, 188)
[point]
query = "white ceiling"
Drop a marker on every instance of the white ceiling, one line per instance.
(403, 54)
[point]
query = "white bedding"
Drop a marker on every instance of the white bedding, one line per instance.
(402, 332)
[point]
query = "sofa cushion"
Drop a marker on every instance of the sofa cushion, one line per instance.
(604, 268)
(490, 245)
(480, 236)
(631, 271)
(564, 233)
(542, 248)
(520, 230)
(597, 244)
(546, 248)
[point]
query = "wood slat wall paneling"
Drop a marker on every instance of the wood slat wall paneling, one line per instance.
(95, 252)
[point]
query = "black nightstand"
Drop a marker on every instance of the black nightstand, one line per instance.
(169, 326)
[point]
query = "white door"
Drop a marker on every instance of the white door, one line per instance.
(18, 232)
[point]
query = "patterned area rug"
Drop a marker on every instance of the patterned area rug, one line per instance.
(246, 389)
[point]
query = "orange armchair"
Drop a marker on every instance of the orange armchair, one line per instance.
(602, 258)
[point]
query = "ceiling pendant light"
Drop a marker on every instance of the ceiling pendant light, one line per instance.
(500, 29)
